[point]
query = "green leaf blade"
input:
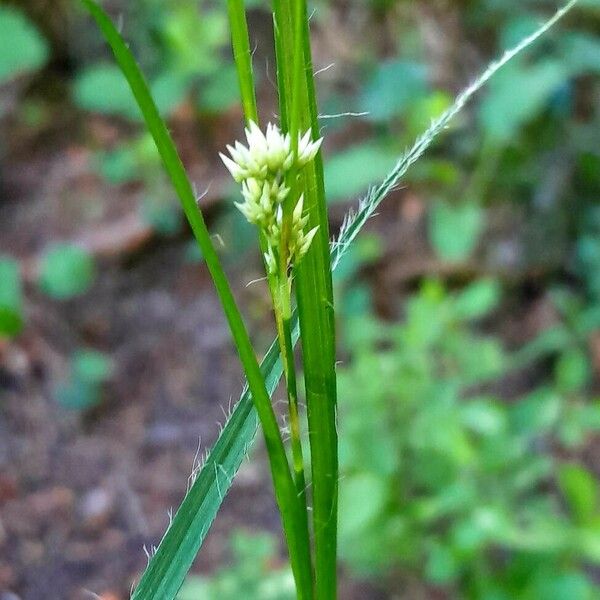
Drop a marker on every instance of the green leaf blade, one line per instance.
(173, 559)
(284, 485)
(22, 48)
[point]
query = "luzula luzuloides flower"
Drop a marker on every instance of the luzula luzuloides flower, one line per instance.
(261, 168)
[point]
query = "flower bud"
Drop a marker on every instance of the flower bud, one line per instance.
(262, 168)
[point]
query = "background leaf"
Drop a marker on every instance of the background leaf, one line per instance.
(22, 48)
(581, 491)
(395, 86)
(11, 301)
(454, 230)
(103, 89)
(66, 271)
(352, 171)
(504, 110)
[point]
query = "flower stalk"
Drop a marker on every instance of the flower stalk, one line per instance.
(269, 170)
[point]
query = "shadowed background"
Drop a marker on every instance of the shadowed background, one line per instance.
(468, 313)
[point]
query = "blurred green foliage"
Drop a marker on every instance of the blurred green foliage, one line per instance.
(252, 574)
(183, 52)
(138, 159)
(588, 252)
(454, 230)
(443, 477)
(66, 271)
(394, 88)
(11, 299)
(530, 142)
(22, 48)
(447, 480)
(355, 168)
(82, 389)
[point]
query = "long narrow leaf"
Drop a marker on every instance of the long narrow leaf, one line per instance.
(285, 492)
(168, 567)
(355, 221)
(314, 289)
(243, 57)
(299, 537)
(200, 505)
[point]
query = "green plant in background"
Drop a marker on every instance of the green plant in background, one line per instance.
(136, 160)
(313, 287)
(88, 371)
(22, 48)
(454, 231)
(506, 151)
(183, 43)
(446, 480)
(587, 256)
(66, 271)
(252, 574)
(514, 135)
(11, 298)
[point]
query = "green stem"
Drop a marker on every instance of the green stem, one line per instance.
(300, 550)
(317, 324)
(242, 55)
(294, 102)
(315, 305)
(297, 76)
(282, 26)
(283, 319)
(283, 315)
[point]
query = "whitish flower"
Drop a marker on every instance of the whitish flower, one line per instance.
(273, 232)
(270, 261)
(297, 218)
(261, 199)
(300, 241)
(258, 207)
(268, 154)
(307, 149)
(279, 156)
(257, 143)
(262, 168)
(247, 162)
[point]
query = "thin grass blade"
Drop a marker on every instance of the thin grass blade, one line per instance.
(285, 492)
(314, 289)
(172, 560)
(243, 57)
(355, 220)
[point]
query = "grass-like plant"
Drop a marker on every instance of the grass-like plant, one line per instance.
(281, 177)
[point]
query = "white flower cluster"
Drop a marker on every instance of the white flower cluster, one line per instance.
(261, 168)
